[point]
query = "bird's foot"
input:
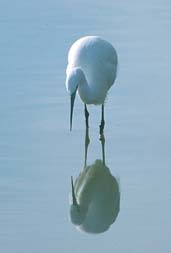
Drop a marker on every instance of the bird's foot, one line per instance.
(102, 138)
(102, 128)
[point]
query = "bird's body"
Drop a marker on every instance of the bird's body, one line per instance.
(91, 70)
(97, 197)
(98, 60)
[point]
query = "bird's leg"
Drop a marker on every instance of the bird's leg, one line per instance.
(102, 139)
(86, 115)
(87, 141)
(102, 122)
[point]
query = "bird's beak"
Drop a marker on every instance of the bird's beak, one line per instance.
(72, 107)
(74, 201)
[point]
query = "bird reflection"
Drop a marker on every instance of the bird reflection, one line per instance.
(95, 197)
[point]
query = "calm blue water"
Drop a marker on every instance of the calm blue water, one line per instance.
(38, 154)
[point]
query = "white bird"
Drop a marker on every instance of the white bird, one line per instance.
(95, 202)
(91, 69)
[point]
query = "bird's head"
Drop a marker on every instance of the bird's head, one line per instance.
(75, 77)
(76, 214)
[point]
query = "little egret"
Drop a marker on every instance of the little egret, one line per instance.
(91, 70)
(95, 197)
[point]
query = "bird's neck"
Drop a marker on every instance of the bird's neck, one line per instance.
(84, 90)
(77, 78)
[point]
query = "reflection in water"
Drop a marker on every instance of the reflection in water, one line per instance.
(95, 199)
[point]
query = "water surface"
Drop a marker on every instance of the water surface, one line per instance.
(38, 154)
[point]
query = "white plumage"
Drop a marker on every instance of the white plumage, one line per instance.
(98, 60)
(92, 68)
